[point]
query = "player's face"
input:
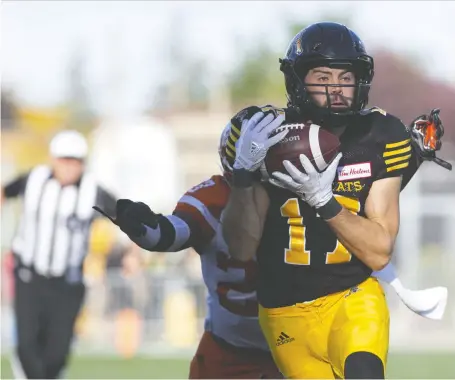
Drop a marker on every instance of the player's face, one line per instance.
(321, 81)
(67, 170)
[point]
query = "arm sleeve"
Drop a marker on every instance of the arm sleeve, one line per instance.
(193, 223)
(171, 235)
(16, 187)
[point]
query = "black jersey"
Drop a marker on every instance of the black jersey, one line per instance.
(299, 257)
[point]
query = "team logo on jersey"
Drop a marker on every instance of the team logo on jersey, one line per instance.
(347, 172)
(283, 339)
(348, 187)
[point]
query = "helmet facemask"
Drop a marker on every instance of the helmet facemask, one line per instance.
(300, 95)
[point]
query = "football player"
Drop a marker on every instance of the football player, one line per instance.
(317, 242)
(232, 345)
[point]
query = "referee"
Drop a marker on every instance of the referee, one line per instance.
(49, 249)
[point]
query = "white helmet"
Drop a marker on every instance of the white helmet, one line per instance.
(69, 144)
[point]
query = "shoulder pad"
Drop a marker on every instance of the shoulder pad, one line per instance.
(390, 129)
(211, 182)
(214, 191)
(208, 199)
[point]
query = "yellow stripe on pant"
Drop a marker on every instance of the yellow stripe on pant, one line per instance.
(313, 339)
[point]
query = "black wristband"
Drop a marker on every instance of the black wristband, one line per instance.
(331, 209)
(242, 178)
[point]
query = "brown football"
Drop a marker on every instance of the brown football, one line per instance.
(318, 144)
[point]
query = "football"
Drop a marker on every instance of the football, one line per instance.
(318, 144)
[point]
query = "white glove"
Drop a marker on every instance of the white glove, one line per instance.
(314, 188)
(254, 142)
(429, 303)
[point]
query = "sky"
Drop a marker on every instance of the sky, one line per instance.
(124, 42)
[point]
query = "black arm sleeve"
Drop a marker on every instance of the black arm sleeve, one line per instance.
(106, 201)
(16, 187)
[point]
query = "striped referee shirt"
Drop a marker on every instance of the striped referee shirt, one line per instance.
(54, 229)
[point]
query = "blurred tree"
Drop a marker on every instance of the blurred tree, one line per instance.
(176, 61)
(183, 79)
(81, 114)
(8, 110)
(405, 91)
(258, 80)
(198, 89)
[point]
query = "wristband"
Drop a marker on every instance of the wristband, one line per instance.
(242, 178)
(331, 209)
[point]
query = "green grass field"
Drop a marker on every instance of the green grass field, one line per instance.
(403, 366)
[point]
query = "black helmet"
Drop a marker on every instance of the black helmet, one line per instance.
(332, 45)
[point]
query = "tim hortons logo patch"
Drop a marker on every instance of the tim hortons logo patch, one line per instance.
(348, 172)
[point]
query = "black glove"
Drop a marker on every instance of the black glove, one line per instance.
(426, 132)
(132, 216)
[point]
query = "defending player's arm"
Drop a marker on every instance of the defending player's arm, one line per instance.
(244, 217)
(147, 229)
(169, 233)
(192, 224)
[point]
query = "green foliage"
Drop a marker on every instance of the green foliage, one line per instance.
(81, 114)
(258, 80)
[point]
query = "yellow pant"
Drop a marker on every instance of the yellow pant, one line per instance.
(313, 339)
